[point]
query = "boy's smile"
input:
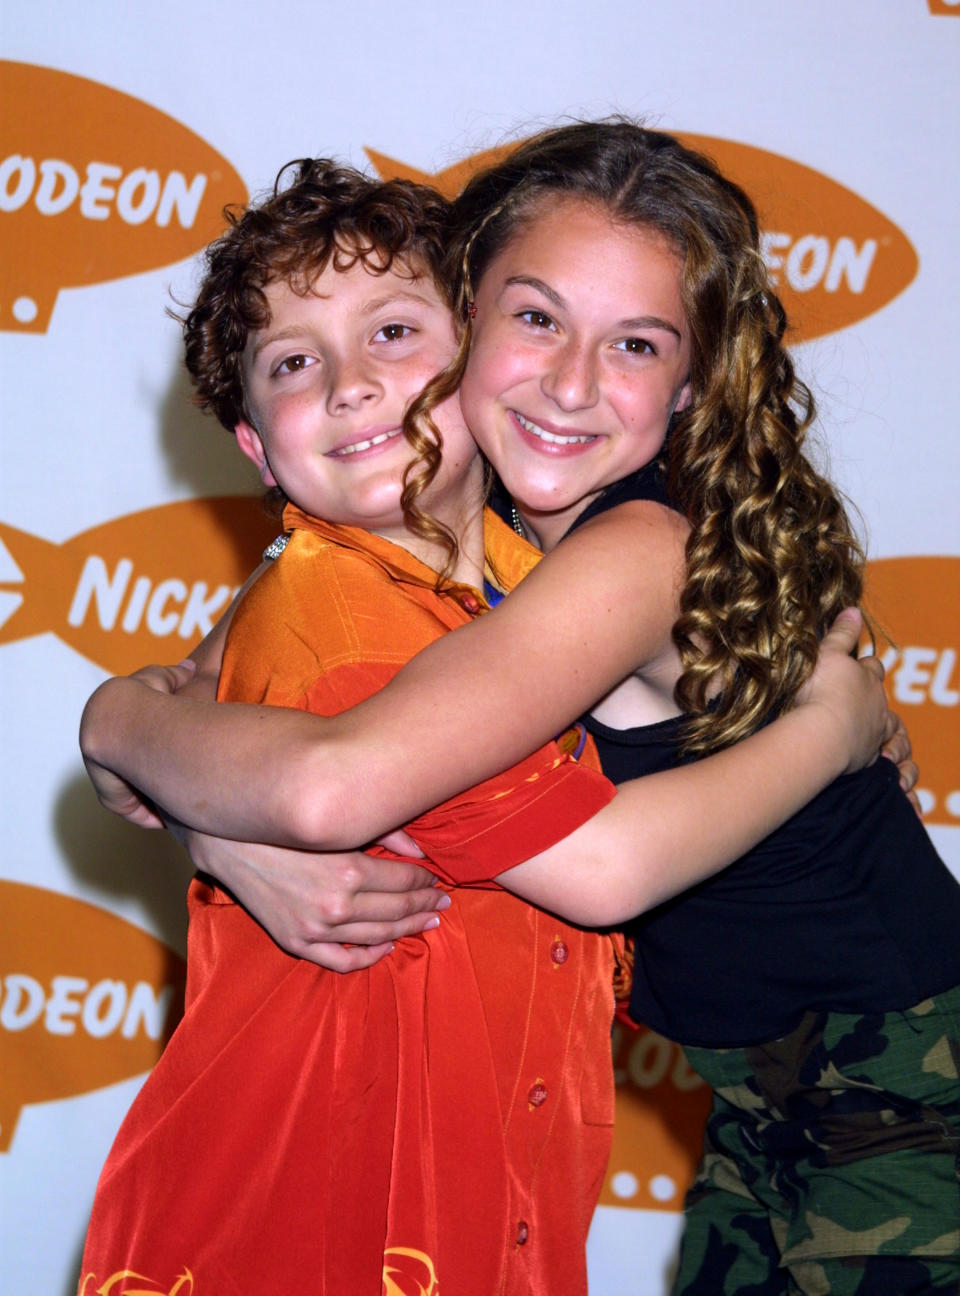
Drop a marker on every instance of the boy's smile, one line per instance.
(327, 382)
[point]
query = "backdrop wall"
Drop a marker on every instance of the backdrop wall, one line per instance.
(126, 519)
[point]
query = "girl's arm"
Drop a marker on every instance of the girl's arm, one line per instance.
(471, 704)
(664, 833)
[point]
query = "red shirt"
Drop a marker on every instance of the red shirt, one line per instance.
(441, 1118)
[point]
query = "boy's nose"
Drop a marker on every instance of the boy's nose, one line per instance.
(571, 379)
(353, 385)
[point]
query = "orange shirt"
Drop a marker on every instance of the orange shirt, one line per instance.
(440, 1119)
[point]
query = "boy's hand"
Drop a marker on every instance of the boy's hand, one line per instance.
(851, 693)
(312, 903)
(897, 749)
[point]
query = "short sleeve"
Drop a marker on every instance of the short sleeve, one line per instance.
(498, 824)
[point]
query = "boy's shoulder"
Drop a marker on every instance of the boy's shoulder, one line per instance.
(327, 602)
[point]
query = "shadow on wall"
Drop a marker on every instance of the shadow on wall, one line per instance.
(201, 455)
(117, 861)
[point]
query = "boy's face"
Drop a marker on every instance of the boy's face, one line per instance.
(327, 382)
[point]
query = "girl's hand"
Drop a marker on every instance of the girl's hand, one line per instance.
(312, 903)
(114, 793)
(850, 692)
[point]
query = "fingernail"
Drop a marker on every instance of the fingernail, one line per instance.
(189, 663)
(431, 922)
(444, 902)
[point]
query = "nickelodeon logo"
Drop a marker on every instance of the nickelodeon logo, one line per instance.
(94, 185)
(86, 999)
(834, 258)
(145, 587)
(657, 1138)
(914, 602)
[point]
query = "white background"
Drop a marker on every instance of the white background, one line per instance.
(96, 423)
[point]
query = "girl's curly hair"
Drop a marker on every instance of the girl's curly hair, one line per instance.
(318, 213)
(771, 556)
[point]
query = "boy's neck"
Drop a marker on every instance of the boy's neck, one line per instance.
(460, 509)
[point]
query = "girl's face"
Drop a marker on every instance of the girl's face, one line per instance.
(580, 354)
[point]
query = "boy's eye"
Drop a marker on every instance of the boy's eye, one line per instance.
(539, 319)
(393, 332)
(636, 346)
(293, 364)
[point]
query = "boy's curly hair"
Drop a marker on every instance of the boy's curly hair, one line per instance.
(319, 212)
(771, 556)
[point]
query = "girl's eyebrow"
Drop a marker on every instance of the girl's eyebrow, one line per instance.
(641, 322)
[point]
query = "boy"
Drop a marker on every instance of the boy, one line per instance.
(310, 1133)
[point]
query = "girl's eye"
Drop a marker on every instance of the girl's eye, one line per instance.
(636, 346)
(393, 332)
(538, 319)
(293, 364)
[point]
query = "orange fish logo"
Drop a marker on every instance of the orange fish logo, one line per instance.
(95, 185)
(915, 601)
(662, 1105)
(834, 258)
(86, 999)
(144, 587)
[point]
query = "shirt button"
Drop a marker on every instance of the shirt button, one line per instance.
(469, 604)
(523, 1232)
(559, 952)
(537, 1095)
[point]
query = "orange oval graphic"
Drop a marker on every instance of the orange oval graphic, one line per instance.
(915, 602)
(139, 588)
(946, 8)
(834, 258)
(661, 1108)
(86, 999)
(94, 185)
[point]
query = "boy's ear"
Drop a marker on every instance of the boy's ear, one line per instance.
(248, 439)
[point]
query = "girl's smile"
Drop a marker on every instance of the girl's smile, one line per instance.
(580, 356)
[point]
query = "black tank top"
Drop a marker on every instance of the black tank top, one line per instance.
(847, 907)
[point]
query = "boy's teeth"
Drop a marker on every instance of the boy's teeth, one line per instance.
(365, 445)
(551, 437)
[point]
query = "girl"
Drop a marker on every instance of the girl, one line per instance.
(589, 384)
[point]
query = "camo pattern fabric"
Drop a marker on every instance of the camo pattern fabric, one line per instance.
(831, 1161)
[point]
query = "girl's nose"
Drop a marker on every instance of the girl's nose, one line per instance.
(571, 380)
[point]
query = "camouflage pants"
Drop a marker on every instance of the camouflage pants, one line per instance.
(831, 1160)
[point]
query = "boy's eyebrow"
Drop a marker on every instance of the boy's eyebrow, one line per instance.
(368, 308)
(400, 295)
(640, 322)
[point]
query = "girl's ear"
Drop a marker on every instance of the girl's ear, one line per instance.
(683, 399)
(248, 439)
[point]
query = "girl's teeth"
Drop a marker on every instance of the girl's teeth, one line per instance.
(551, 437)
